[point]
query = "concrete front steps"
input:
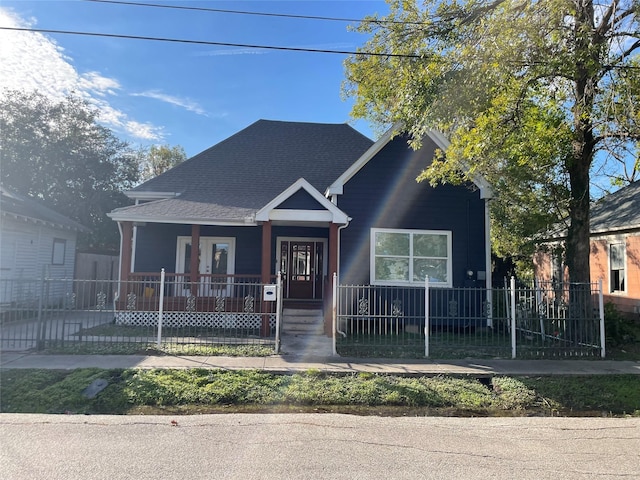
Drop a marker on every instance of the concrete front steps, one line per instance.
(303, 333)
(303, 321)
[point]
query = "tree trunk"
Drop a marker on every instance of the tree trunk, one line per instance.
(579, 164)
(578, 167)
(578, 248)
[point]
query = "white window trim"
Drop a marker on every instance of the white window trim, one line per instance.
(372, 257)
(622, 242)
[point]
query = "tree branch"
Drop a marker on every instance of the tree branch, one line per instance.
(604, 24)
(623, 15)
(617, 136)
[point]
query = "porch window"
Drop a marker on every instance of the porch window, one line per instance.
(616, 267)
(216, 255)
(401, 257)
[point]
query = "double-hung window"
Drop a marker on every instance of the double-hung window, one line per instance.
(616, 267)
(404, 257)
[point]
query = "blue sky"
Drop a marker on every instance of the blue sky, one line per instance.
(183, 94)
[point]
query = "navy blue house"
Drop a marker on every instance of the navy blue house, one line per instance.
(308, 200)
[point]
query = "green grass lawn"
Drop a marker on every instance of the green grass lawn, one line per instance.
(201, 390)
(150, 348)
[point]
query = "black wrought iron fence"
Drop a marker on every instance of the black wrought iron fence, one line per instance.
(147, 311)
(559, 319)
(539, 321)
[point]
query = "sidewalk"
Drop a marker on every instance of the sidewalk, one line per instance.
(293, 363)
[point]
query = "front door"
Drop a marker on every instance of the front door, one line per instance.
(302, 267)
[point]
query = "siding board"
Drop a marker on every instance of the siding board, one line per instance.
(385, 194)
(27, 250)
(301, 200)
(153, 255)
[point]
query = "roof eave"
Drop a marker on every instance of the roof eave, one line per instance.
(142, 195)
(248, 221)
(337, 187)
(602, 232)
(616, 230)
(331, 212)
(39, 221)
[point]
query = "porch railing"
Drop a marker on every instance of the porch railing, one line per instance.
(525, 322)
(206, 290)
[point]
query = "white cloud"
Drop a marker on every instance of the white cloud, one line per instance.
(32, 61)
(118, 120)
(185, 103)
(97, 84)
(145, 131)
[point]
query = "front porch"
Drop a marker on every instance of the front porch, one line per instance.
(226, 274)
(295, 234)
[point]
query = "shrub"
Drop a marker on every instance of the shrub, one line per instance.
(619, 329)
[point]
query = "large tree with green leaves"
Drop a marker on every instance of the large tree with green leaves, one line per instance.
(157, 159)
(537, 96)
(57, 152)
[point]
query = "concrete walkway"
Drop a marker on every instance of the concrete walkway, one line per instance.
(297, 363)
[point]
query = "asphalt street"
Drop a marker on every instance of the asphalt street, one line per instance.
(316, 446)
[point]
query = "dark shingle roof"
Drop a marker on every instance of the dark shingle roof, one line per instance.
(20, 206)
(236, 177)
(617, 211)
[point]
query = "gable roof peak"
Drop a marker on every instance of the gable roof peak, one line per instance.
(331, 213)
(439, 139)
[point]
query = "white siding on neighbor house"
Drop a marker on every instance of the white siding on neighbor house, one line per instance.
(7, 254)
(27, 250)
(27, 254)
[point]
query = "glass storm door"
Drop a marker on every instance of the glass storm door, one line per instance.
(301, 264)
(214, 263)
(216, 259)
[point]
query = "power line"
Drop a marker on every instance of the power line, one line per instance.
(262, 14)
(205, 42)
(245, 45)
